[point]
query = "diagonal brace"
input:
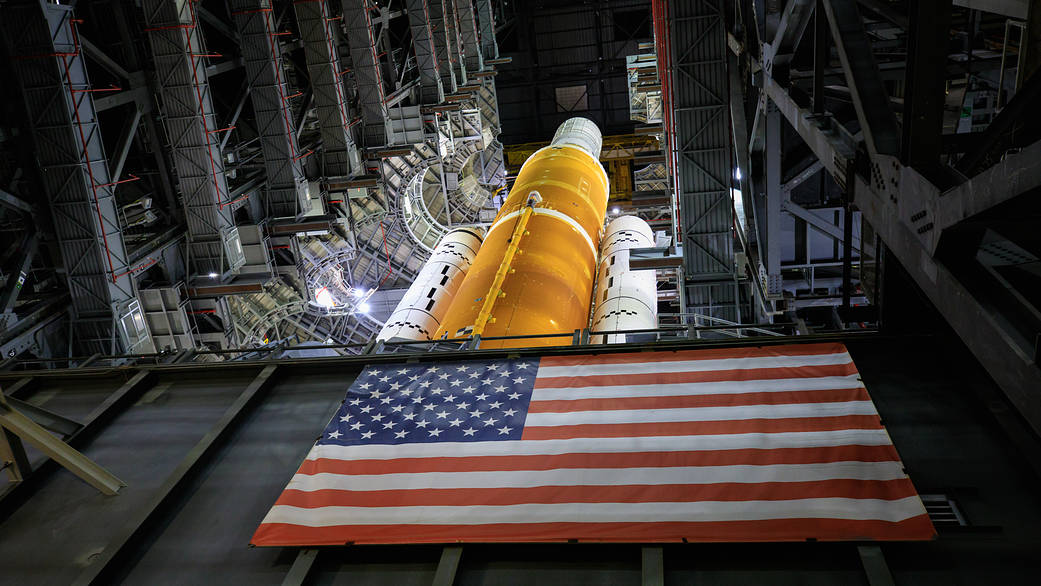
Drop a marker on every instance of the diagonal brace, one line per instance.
(84, 468)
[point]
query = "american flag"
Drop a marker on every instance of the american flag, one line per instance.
(777, 443)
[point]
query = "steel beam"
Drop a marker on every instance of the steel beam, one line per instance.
(652, 566)
(82, 467)
(790, 29)
(14, 202)
(1018, 117)
(51, 67)
(1008, 358)
(98, 571)
(875, 568)
(431, 90)
(925, 83)
(774, 200)
(46, 418)
(447, 565)
(367, 75)
(814, 168)
(16, 279)
(301, 568)
(102, 59)
(1012, 177)
(817, 223)
(1009, 8)
(13, 457)
(124, 143)
(285, 193)
(870, 98)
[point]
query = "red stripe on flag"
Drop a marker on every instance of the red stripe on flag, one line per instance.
(704, 427)
(709, 354)
(635, 493)
(690, 401)
(916, 528)
(747, 457)
(555, 382)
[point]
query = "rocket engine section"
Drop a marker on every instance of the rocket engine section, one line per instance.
(625, 299)
(419, 313)
(534, 273)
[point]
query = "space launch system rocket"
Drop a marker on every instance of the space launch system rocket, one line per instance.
(533, 272)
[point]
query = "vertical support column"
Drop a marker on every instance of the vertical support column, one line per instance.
(486, 18)
(439, 31)
(426, 54)
(869, 95)
(367, 74)
(46, 56)
(924, 82)
(694, 67)
(469, 43)
(455, 44)
(286, 193)
(875, 567)
(179, 57)
(448, 565)
(653, 566)
(772, 157)
(339, 153)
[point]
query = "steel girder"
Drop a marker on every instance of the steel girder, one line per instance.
(191, 127)
(910, 214)
(432, 91)
(468, 42)
(80, 190)
(486, 20)
(339, 152)
(442, 48)
(700, 106)
(285, 195)
(367, 75)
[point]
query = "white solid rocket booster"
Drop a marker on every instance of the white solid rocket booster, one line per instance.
(420, 311)
(625, 299)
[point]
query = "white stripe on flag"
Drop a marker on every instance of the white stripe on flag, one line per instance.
(704, 511)
(738, 441)
(602, 476)
(738, 412)
(821, 383)
(696, 365)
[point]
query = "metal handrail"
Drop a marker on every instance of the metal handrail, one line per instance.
(581, 340)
